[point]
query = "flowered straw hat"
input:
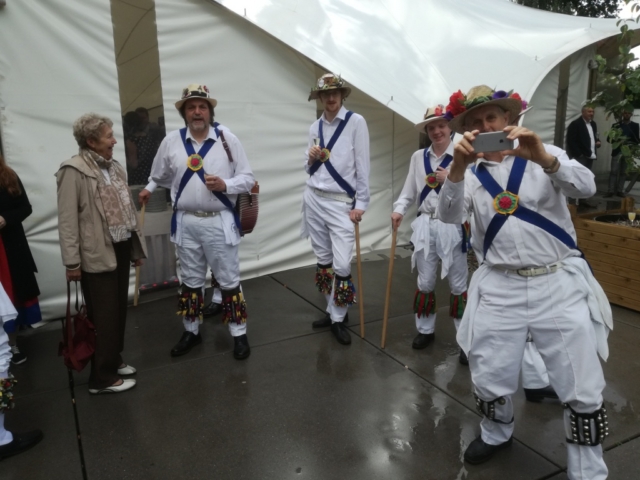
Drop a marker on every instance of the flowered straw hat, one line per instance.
(433, 113)
(460, 104)
(329, 81)
(196, 91)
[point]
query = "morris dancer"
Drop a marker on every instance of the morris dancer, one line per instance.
(531, 279)
(204, 185)
(432, 239)
(337, 195)
(10, 443)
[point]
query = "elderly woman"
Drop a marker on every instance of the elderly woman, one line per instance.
(100, 239)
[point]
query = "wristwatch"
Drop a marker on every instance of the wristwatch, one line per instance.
(554, 166)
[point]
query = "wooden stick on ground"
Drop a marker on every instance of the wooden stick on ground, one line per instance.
(359, 262)
(387, 297)
(136, 292)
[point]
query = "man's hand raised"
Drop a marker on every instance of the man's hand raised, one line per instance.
(530, 147)
(463, 155)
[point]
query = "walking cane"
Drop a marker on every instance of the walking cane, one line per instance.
(136, 293)
(359, 260)
(385, 318)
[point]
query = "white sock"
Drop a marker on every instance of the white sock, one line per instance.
(5, 435)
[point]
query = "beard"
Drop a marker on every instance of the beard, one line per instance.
(198, 125)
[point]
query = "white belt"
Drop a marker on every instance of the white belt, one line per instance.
(432, 215)
(201, 214)
(535, 271)
(341, 197)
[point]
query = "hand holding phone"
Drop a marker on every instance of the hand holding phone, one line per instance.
(492, 142)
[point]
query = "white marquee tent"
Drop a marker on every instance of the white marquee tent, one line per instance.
(62, 58)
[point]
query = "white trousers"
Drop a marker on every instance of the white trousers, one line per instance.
(5, 359)
(427, 275)
(554, 309)
(203, 245)
(332, 236)
(534, 371)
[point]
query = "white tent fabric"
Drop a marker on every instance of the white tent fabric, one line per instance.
(400, 56)
(56, 63)
(406, 54)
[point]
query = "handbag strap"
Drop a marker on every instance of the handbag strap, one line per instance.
(226, 147)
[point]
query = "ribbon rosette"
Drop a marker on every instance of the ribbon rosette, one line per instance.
(195, 162)
(505, 203)
(431, 180)
(325, 154)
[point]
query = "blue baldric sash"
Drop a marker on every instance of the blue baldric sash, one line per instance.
(430, 179)
(195, 164)
(327, 162)
(433, 184)
(506, 203)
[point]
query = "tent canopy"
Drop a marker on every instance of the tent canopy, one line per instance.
(408, 54)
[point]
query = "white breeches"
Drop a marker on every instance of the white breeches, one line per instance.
(203, 245)
(554, 309)
(332, 236)
(427, 275)
(534, 372)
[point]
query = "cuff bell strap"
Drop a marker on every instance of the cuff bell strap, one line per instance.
(424, 304)
(457, 304)
(488, 409)
(190, 303)
(234, 308)
(6, 393)
(324, 278)
(344, 294)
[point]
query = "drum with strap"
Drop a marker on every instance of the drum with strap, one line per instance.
(247, 207)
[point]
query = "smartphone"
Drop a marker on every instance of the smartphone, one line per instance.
(492, 142)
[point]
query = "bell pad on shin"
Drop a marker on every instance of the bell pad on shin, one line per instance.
(588, 429)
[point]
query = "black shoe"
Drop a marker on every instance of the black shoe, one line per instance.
(17, 357)
(607, 195)
(325, 322)
(422, 340)
(186, 343)
(463, 358)
(539, 394)
(341, 333)
(479, 452)
(212, 309)
(20, 443)
(241, 349)
(621, 194)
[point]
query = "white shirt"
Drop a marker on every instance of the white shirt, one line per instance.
(170, 164)
(520, 244)
(416, 181)
(349, 156)
(592, 139)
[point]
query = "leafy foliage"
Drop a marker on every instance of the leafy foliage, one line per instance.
(582, 8)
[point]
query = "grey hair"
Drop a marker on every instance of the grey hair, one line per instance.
(89, 126)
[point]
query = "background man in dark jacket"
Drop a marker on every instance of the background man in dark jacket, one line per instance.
(582, 140)
(630, 130)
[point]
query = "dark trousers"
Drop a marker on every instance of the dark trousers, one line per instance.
(106, 296)
(618, 174)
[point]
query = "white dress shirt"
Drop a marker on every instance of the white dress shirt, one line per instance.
(519, 244)
(415, 182)
(170, 164)
(592, 139)
(349, 156)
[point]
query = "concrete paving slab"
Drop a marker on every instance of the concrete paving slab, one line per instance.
(44, 370)
(275, 313)
(302, 408)
(56, 457)
(626, 315)
(622, 460)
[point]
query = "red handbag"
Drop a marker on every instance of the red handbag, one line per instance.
(78, 335)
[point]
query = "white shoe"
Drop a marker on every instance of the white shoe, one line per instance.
(126, 384)
(126, 370)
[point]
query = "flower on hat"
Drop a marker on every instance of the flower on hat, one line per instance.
(459, 102)
(456, 103)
